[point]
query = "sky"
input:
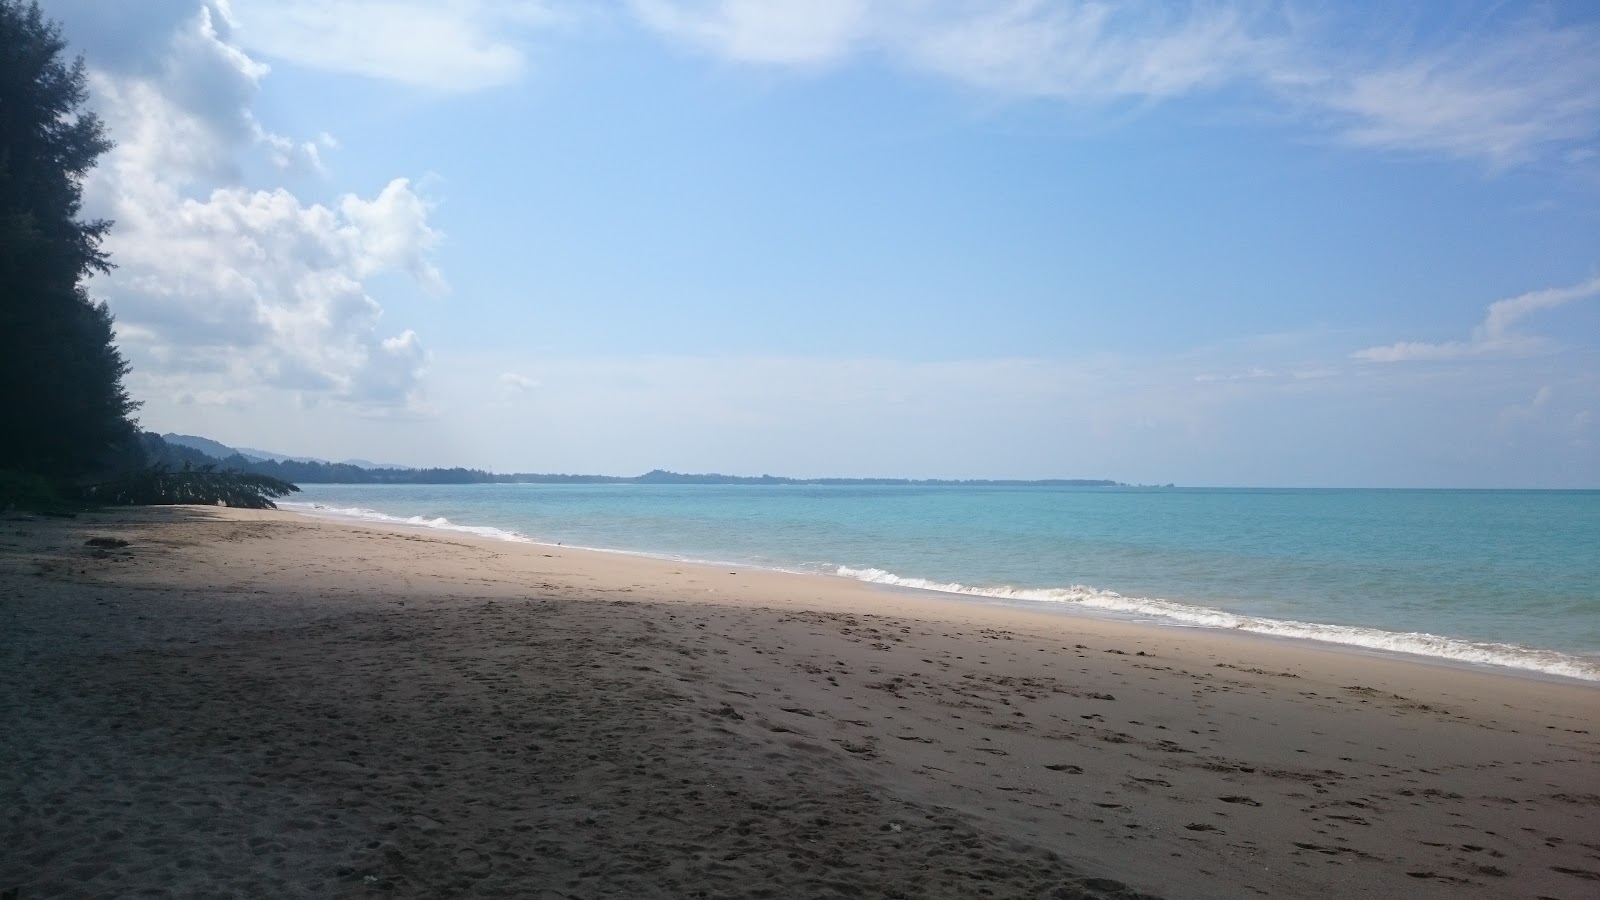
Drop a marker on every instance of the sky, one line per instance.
(1224, 242)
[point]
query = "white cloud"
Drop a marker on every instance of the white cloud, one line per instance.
(1090, 51)
(1252, 373)
(1504, 95)
(1416, 351)
(1496, 335)
(391, 370)
(269, 287)
(1502, 98)
(1075, 50)
(761, 31)
(1503, 314)
(1515, 90)
(392, 232)
(222, 290)
(455, 45)
(518, 382)
(184, 55)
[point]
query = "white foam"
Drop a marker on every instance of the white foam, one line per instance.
(361, 514)
(1549, 662)
(372, 515)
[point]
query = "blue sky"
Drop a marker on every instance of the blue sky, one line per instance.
(1212, 243)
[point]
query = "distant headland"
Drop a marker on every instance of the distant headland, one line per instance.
(179, 449)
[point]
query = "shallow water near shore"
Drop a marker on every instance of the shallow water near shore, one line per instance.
(1506, 578)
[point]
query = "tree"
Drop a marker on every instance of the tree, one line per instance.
(157, 485)
(65, 423)
(63, 407)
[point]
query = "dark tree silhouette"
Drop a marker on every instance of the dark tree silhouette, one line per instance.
(65, 426)
(156, 485)
(62, 404)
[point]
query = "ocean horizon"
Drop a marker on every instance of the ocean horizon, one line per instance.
(1498, 578)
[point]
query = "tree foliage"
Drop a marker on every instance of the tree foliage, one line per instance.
(65, 410)
(157, 485)
(67, 429)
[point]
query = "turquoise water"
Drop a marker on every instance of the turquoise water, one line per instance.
(1506, 578)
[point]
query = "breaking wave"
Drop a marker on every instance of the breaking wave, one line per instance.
(1549, 662)
(371, 515)
(1080, 597)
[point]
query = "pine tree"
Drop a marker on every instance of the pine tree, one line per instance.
(63, 410)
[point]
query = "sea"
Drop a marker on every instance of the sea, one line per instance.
(1503, 579)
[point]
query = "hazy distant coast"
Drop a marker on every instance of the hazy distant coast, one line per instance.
(305, 470)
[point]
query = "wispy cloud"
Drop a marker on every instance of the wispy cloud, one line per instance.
(518, 382)
(1090, 51)
(1496, 335)
(1250, 374)
(761, 31)
(1502, 98)
(451, 45)
(1073, 50)
(1520, 89)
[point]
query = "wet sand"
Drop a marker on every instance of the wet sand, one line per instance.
(258, 704)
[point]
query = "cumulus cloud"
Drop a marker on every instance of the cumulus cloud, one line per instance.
(389, 371)
(223, 289)
(1496, 335)
(392, 232)
(182, 55)
(272, 286)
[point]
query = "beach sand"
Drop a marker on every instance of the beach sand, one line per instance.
(258, 704)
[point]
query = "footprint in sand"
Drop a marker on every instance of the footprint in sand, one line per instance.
(472, 862)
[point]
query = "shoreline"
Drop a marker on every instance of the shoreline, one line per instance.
(1589, 666)
(980, 602)
(263, 703)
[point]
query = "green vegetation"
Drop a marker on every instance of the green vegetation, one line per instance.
(156, 484)
(60, 374)
(69, 430)
(24, 490)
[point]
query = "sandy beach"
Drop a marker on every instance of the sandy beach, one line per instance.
(241, 703)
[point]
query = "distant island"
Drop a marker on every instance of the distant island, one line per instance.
(183, 449)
